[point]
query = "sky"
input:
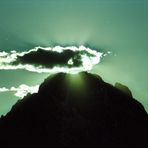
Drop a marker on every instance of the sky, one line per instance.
(118, 26)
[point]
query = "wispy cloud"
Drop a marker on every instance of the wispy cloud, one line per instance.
(57, 59)
(22, 90)
(4, 89)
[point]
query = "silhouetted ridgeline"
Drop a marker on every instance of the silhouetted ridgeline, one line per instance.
(71, 111)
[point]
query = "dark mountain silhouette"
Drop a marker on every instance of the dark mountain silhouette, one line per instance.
(72, 111)
(123, 88)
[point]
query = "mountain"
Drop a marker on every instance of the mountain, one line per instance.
(72, 111)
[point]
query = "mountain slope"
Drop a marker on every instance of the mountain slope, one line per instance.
(75, 111)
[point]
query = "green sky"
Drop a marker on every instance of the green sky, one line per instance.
(119, 26)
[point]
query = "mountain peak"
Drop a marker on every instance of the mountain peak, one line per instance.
(75, 110)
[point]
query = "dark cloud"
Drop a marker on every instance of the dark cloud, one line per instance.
(56, 59)
(50, 59)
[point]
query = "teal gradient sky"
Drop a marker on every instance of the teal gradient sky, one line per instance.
(119, 26)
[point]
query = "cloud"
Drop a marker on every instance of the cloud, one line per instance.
(57, 59)
(22, 90)
(4, 89)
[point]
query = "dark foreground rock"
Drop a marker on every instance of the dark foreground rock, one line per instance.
(71, 111)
